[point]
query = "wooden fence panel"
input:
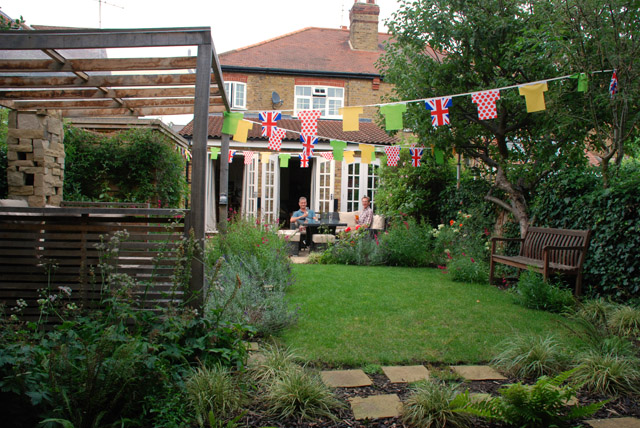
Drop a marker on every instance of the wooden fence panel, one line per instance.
(44, 249)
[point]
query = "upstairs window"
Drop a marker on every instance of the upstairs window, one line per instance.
(327, 99)
(237, 94)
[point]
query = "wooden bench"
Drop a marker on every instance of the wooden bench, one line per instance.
(546, 251)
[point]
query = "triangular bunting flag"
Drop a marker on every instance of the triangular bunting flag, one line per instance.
(350, 119)
(269, 121)
(534, 96)
(338, 148)
(439, 110)
(393, 116)
(393, 155)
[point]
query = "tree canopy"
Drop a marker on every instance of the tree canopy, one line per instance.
(452, 47)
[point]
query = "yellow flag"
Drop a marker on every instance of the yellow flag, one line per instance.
(367, 151)
(350, 120)
(534, 96)
(243, 129)
(264, 157)
(349, 156)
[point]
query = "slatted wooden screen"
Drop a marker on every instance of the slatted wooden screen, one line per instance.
(47, 248)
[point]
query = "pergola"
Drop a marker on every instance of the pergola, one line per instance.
(80, 85)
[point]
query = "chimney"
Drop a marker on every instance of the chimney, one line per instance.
(363, 25)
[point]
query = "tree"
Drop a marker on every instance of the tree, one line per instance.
(601, 35)
(448, 47)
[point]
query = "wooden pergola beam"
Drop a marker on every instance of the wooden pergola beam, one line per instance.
(100, 80)
(176, 92)
(107, 103)
(98, 64)
(140, 111)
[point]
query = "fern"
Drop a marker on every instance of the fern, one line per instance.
(543, 404)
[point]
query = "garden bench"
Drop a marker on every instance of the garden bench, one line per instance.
(546, 251)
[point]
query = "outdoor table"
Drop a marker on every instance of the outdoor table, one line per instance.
(317, 225)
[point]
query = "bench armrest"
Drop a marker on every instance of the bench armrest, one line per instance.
(496, 239)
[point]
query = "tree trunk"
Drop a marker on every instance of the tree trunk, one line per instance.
(517, 202)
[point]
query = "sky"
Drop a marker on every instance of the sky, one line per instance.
(234, 23)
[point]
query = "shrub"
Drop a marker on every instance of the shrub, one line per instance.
(577, 199)
(355, 247)
(406, 242)
(544, 404)
(465, 268)
(432, 405)
(133, 166)
(608, 373)
(274, 360)
(300, 394)
(534, 292)
(625, 321)
(531, 356)
(213, 391)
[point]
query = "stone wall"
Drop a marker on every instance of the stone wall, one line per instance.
(35, 154)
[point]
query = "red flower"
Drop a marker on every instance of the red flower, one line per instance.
(472, 261)
(449, 256)
(348, 229)
(452, 222)
(406, 224)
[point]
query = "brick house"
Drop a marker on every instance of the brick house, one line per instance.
(313, 68)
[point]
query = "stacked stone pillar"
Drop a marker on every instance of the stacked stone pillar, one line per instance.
(35, 155)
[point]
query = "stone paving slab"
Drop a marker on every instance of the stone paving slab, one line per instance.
(615, 423)
(477, 372)
(345, 378)
(376, 406)
(405, 374)
(251, 346)
(256, 358)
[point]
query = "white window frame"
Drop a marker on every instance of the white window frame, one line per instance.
(324, 172)
(270, 190)
(232, 88)
(250, 189)
(315, 96)
(364, 182)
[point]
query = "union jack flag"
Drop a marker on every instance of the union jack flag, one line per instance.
(308, 142)
(439, 110)
(613, 86)
(416, 155)
(269, 119)
(231, 153)
(304, 160)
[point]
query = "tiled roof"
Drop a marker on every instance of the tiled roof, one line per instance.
(327, 129)
(309, 49)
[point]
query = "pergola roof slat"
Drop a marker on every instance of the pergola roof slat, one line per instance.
(100, 80)
(107, 103)
(112, 93)
(143, 111)
(98, 64)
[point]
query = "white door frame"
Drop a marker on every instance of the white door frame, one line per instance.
(250, 189)
(270, 191)
(323, 183)
(352, 191)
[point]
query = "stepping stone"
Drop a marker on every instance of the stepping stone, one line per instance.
(406, 374)
(376, 406)
(615, 423)
(478, 373)
(345, 378)
(256, 358)
(251, 346)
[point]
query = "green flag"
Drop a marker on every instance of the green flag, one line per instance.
(284, 160)
(393, 116)
(230, 123)
(213, 153)
(338, 149)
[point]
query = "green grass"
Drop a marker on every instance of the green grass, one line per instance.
(358, 315)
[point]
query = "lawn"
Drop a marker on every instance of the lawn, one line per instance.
(354, 315)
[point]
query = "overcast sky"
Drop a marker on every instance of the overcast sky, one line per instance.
(234, 23)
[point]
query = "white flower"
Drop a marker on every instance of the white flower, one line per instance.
(440, 226)
(65, 290)
(21, 303)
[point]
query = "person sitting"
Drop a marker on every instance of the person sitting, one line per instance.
(366, 215)
(301, 217)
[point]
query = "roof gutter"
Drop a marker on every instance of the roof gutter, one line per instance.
(310, 73)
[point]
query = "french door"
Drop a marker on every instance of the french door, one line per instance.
(271, 190)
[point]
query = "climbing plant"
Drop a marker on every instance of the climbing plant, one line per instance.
(137, 165)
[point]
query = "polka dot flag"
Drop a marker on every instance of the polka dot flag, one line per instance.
(275, 140)
(309, 119)
(486, 102)
(393, 155)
